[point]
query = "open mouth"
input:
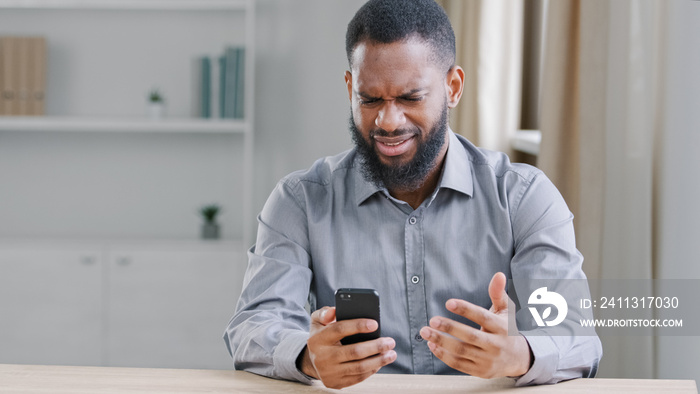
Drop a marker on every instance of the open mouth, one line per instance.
(394, 146)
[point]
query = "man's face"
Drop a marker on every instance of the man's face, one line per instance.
(399, 112)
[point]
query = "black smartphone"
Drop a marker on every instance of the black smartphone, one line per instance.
(357, 304)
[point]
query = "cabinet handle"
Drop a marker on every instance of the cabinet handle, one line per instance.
(88, 260)
(123, 260)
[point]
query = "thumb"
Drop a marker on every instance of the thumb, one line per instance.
(497, 292)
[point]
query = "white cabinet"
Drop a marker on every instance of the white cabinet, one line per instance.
(50, 306)
(95, 167)
(169, 308)
(118, 304)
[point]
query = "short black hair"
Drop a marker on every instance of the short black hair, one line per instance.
(389, 21)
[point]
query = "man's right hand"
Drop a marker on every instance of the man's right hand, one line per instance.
(338, 365)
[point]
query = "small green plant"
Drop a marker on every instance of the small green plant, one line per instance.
(209, 212)
(154, 96)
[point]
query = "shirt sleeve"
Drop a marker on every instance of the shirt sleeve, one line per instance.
(270, 326)
(545, 248)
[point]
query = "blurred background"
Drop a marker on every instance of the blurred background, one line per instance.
(106, 257)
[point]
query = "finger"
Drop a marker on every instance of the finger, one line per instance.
(463, 333)
(488, 320)
(363, 350)
(369, 365)
(461, 349)
(323, 316)
(347, 381)
(357, 371)
(497, 292)
(342, 329)
(461, 364)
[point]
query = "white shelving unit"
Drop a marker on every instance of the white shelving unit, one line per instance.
(82, 120)
(127, 297)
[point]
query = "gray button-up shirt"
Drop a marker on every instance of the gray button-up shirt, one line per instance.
(327, 228)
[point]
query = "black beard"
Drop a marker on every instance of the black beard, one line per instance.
(408, 176)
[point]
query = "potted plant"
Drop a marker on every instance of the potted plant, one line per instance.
(156, 104)
(210, 228)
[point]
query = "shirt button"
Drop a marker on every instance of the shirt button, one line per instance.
(419, 338)
(412, 220)
(415, 279)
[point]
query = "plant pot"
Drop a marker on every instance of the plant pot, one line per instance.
(156, 110)
(210, 231)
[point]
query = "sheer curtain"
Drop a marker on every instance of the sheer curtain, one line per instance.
(600, 116)
(614, 172)
(489, 48)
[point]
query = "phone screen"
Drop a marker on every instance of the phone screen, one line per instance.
(357, 304)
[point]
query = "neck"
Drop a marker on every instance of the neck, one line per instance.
(415, 198)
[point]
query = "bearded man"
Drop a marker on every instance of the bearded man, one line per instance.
(434, 224)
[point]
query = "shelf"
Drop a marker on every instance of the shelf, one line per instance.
(184, 5)
(189, 244)
(527, 141)
(86, 124)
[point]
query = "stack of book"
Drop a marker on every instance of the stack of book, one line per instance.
(22, 75)
(222, 84)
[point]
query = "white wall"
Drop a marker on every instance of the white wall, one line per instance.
(302, 106)
(679, 190)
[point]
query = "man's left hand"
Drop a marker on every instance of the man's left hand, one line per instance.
(487, 353)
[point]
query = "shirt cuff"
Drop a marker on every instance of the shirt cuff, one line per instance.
(546, 356)
(286, 354)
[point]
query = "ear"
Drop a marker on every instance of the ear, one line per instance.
(348, 83)
(454, 83)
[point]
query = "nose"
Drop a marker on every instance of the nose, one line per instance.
(390, 116)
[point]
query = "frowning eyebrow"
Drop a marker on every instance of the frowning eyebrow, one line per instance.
(408, 94)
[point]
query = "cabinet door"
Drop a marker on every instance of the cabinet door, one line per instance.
(169, 308)
(50, 307)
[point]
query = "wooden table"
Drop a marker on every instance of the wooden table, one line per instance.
(60, 379)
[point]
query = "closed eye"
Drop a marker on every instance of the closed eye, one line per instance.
(368, 101)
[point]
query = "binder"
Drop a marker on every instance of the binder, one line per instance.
(22, 74)
(240, 82)
(2, 77)
(215, 86)
(222, 86)
(37, 76)
(205, 87)
(230, 84)
(8, 102)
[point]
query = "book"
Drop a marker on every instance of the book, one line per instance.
(37, 76)
(215, 86)
(2, 78)
(222, 86)
(23, 75)
(205, 87)
(231, 81)
(239, 112)
(8, 102)
(22, 51)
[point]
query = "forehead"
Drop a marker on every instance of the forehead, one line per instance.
(394, 67)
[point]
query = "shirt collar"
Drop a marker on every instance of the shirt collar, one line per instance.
(456, 173)
(363, 188)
